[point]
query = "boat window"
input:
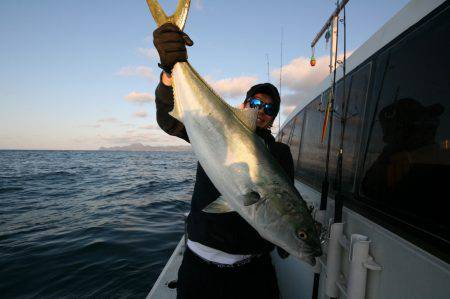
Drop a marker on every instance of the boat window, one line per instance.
(338, 114)
(350, 111)
(286, 133)
(312, 151)
(296, 137)
(406, 164)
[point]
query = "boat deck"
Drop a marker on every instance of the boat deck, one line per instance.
(164, 287)
(287, 270)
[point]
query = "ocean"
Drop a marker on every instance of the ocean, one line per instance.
(89, 223)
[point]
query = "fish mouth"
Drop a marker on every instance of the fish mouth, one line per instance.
(310, 256)
(317, 253)
(309, 259)
(313, 253)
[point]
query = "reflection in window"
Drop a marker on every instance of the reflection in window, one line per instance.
(407, 160)
(296, 137)
(355, 93)
(286, 133)
(312, 151)
(338, 115)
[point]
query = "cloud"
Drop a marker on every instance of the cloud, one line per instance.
(140, 113)
(95, 126)
(139, 97)
(299, 79)
(140, 71)
(298, 75)
(156, 138)
(292, 100)
(198, 4)
(101, 122)
(148, 38)
(149, 127)
(288, 109)
(150, 53)
(233, 87)
(111, 120)
(126, 125)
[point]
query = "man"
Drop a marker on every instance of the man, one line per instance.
(226, 257)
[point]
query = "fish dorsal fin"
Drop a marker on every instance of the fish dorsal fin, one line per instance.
(247, 116)
(218, 206)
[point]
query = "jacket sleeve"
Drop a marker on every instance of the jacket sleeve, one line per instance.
(164, 104)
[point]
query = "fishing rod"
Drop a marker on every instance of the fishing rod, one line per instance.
(339, 200)
(333, 23)
(325, 183)
(281, 72)
(327, 24)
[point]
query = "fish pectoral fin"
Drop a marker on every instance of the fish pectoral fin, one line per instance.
(218, 206)
(247, 116)
(251, 198)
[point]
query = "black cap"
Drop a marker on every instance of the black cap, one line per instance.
(409, 111)
(268, 89)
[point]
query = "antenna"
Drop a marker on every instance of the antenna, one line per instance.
(267, 60)
(281, 72)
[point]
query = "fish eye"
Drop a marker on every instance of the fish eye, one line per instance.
(302, 234)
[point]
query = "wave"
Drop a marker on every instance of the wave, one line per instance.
(150, 187)
(88, 224)
(10, 189)
(153, 186)
(55, 174)
(43, 175)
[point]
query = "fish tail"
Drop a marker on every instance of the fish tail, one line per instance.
(178, 18)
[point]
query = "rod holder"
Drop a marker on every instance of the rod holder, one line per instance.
(333, 260)
(354, 287)
(358, 254)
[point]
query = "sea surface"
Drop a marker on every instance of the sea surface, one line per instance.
(77, 224)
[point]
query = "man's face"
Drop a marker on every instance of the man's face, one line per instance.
(263, 120)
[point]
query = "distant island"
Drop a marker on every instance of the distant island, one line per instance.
(139, 147)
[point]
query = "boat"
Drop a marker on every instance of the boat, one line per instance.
(390, 238)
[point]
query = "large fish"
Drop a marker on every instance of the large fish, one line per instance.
(236, 159)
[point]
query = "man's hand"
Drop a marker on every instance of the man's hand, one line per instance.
(166, 79)
(170, 42)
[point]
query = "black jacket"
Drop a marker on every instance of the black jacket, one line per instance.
(227, 232)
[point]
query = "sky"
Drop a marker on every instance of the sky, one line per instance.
(78, 75)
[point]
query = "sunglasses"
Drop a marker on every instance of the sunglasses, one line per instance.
(269, 109)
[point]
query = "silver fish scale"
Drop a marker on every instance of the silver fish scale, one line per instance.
(238, 163)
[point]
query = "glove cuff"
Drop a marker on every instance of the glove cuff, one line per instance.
(165, 68)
